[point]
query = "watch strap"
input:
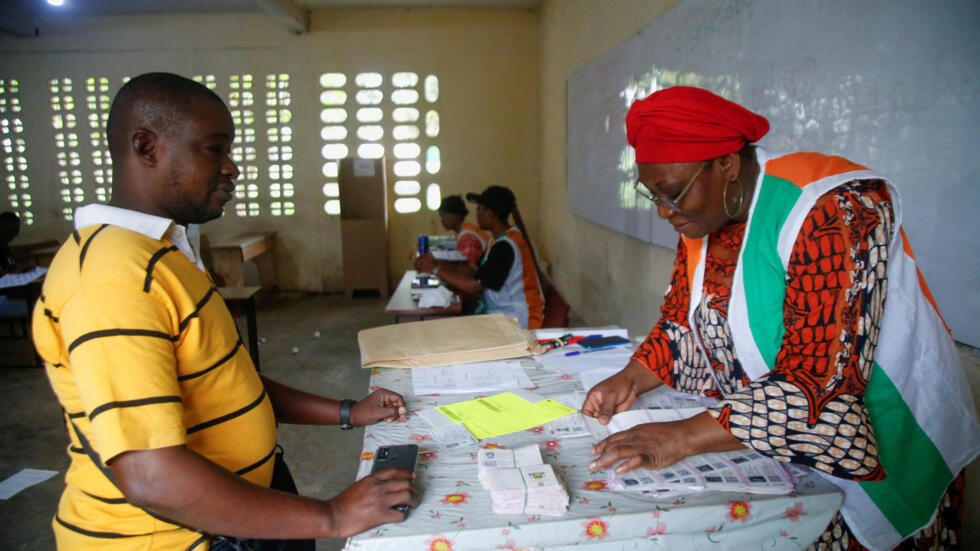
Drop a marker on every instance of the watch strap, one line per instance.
(345, 407)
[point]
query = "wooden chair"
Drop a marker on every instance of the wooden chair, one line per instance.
(556, 310)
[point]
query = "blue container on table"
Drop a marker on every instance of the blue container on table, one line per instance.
(423, 244)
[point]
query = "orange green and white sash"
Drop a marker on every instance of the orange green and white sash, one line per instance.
(919, 401)
(521, 295)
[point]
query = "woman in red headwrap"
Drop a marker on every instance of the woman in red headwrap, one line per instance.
(776, 308)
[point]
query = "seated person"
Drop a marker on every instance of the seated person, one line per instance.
(505, 277)
(9, 229)
(470, 240)
(11, 263)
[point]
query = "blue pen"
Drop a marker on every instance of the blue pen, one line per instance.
(600, 349)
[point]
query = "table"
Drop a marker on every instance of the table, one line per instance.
(228, 258)
(455, 512)
(403, 307)
(246, 297)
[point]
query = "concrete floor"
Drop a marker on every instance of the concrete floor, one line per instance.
(323, 460)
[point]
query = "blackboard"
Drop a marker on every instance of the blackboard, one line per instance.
(890, 85)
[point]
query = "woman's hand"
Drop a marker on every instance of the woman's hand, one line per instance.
(618, 392)
(659, 445)
(380, 404)
(651, 446)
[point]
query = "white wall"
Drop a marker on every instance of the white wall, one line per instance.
(607, 277)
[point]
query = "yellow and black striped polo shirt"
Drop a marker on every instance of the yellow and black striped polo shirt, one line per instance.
(142, 354)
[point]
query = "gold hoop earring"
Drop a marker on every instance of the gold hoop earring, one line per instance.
(741, 198)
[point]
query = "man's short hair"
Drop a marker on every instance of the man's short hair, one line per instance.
(154, 101)
(453, 204)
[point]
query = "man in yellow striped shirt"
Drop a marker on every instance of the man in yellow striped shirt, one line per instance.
(172, 431)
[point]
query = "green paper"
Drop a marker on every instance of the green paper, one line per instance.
(503, 413)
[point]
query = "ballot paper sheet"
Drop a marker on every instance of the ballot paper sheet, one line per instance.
(745, 471)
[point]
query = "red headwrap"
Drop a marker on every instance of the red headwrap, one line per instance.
(684, 124)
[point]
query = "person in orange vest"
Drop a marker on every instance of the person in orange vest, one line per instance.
(470, 239)
(505, 277)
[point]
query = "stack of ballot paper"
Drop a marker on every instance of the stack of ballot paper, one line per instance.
(503, 458)
(520, 483)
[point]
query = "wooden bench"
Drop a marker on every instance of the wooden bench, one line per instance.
(228, 259)
(245, 297)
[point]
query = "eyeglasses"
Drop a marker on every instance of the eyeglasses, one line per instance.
(671, 204)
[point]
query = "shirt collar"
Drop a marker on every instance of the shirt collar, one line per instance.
(154, 227)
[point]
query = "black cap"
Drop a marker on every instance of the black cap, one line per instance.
(453, 204)
(496, 198)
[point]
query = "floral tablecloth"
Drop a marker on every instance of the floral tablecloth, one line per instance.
(456, 515)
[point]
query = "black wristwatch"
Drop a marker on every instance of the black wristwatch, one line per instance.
(345, 406)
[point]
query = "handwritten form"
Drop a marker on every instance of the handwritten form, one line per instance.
(475, 377)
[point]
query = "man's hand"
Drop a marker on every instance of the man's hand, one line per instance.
(179, 484)
(369, 501)
(618, 392)
(426, 263)
(652, 446)
(380, 404)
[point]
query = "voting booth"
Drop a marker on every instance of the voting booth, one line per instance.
(364, 225)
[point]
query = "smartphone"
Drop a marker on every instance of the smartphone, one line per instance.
(401, 457)
(600, 342)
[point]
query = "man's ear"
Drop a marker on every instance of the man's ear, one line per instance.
(145, 145)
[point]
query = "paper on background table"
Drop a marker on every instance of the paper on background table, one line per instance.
(503, 414)
(438, 297)
(475, 377)
(24, 479)
(446, 341)
(449, 256)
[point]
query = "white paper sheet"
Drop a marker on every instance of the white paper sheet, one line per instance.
(453, 436)
(560, 361)
(24, 479)
(569, 426)
(448, 256)
(483, 377)
(745, 470)
(16, 280)
(596, 376)
(664, 397)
